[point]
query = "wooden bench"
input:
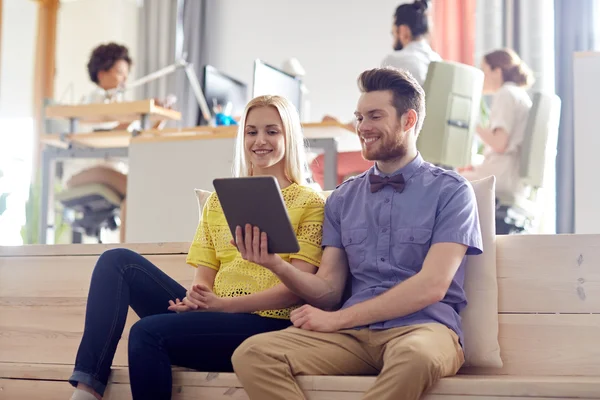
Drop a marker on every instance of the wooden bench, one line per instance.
(549, 325)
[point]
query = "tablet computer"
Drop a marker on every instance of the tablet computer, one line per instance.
(258, 201)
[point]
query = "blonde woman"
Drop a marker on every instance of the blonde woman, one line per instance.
(231, 298)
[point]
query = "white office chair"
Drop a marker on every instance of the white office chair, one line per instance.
(517, 213)
(452, 101)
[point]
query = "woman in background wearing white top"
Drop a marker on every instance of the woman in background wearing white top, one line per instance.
(507, 77)
(411, 50)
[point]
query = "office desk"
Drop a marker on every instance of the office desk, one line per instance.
(164, 171)
(144, 110)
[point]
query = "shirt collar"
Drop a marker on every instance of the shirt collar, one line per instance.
(417, 44)
(407, 171)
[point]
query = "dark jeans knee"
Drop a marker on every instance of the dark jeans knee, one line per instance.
(141, 336)
(116, 259)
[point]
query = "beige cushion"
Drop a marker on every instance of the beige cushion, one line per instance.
(480, 317)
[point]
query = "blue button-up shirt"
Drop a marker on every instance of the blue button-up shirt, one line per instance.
(387, 234)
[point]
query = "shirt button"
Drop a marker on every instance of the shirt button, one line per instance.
(350, 240)
(384, 230)
(387, 200)
(382, 259)
(411, 238)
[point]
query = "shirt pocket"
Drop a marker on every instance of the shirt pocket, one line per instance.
(354, 245)
(411, 246)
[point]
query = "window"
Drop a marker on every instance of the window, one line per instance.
(16, 135)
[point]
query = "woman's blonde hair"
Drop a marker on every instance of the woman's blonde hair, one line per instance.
(296, 166)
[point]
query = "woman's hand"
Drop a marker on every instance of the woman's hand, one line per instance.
(180, 306)
(188, 303)
(253, 247)
(206, 300)
(200, 298)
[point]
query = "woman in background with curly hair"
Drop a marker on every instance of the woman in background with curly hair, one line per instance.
(108, 68)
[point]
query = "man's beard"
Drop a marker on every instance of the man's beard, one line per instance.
(389, 149)
(398, 45)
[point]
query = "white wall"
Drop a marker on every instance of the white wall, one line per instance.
(587, 142)
(19, 24)
(82, 25)
(333, 40)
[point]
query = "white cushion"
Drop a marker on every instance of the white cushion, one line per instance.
(202, 196)
(480, 317)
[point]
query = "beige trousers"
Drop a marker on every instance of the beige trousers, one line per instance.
(408, 360)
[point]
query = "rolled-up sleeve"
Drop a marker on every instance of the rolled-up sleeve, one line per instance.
(332, 232)
(457, 219)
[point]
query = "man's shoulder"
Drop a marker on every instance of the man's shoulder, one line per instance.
(446, 182)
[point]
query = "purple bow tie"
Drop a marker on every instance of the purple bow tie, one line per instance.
(378, 182)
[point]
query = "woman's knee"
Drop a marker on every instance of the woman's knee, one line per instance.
(143, 335)
(116, 259)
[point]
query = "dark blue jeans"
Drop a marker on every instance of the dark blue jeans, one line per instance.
(203, 341)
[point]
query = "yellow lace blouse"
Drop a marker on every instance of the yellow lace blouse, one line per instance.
(237, 277)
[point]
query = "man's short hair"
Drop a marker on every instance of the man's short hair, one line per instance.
(406, 92)
(104, 57)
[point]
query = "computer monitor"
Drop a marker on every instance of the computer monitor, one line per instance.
(452, 103)
(221, 89)
(273, 81)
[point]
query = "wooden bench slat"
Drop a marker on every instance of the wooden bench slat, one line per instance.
(548, 273)
(15, 389)
(547, 345)
(38, 277)
(48, 390)
(536, 274)
(60, 250)
(513, 386)
(535, 345)
(69, 276)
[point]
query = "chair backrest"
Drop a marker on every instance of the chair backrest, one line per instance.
(452, 105)
(541, 137)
